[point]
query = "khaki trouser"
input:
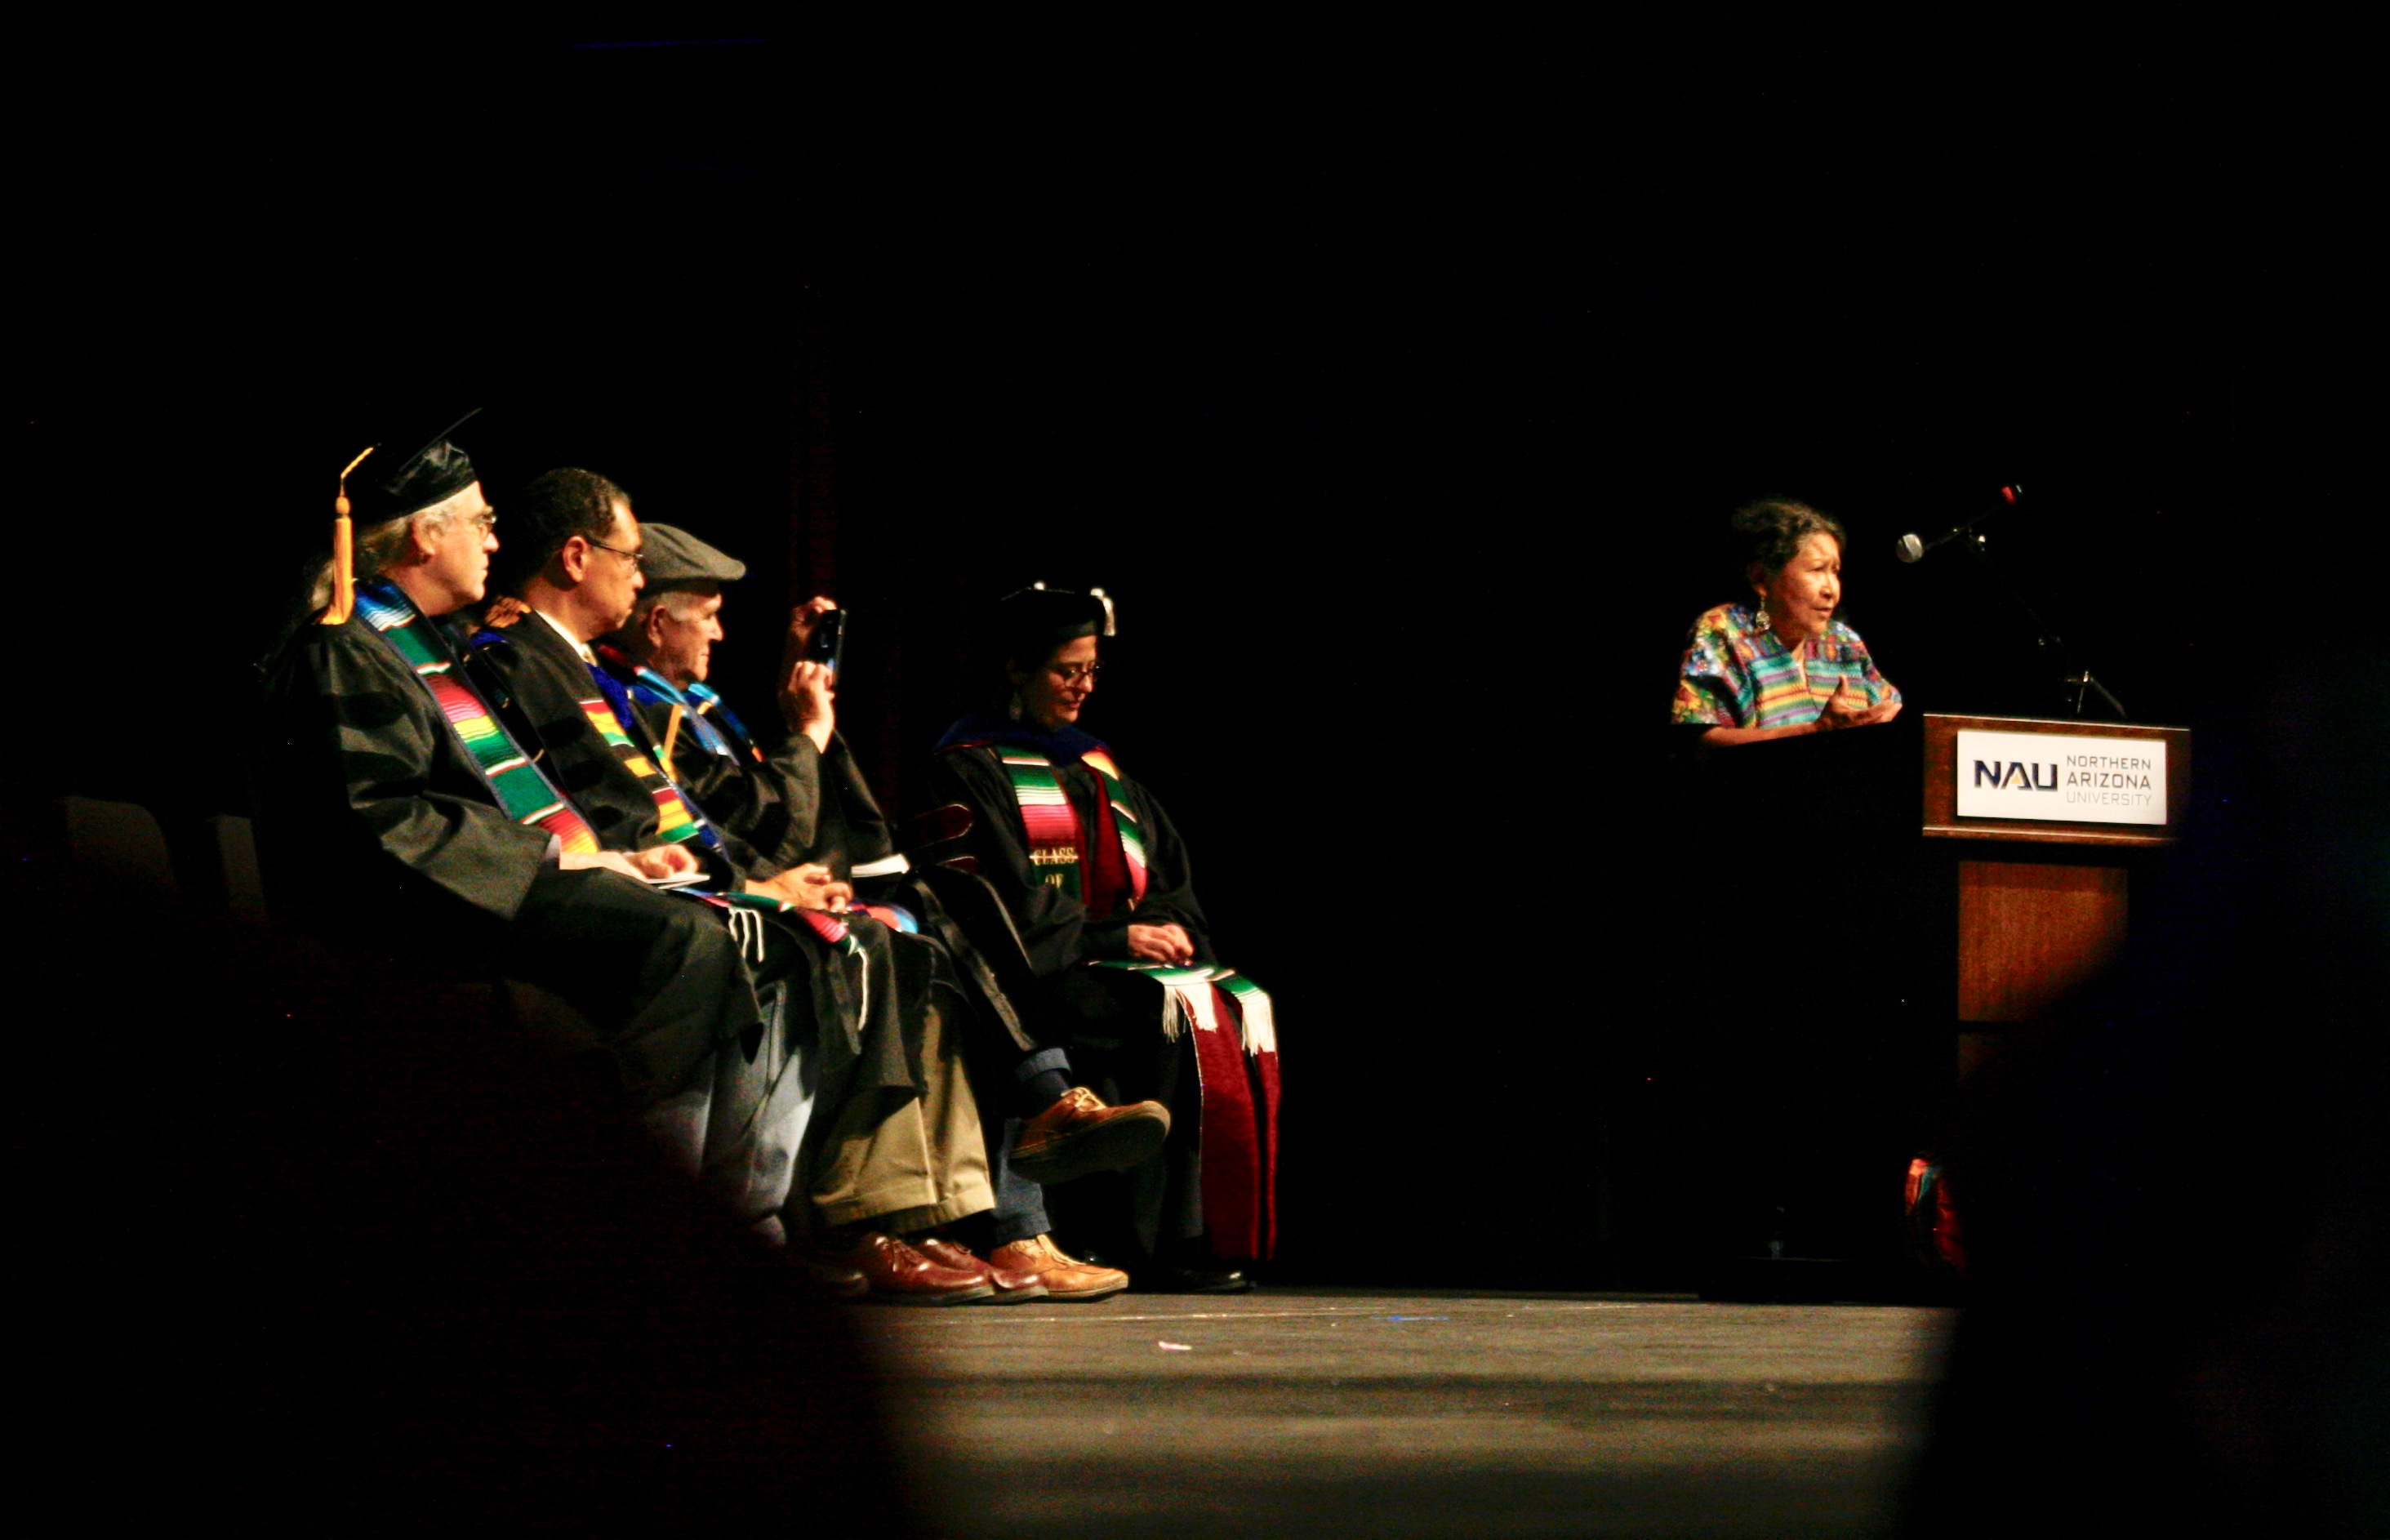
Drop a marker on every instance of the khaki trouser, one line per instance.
(923, 1163)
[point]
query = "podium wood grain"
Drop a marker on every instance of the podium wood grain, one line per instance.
(2031, 932)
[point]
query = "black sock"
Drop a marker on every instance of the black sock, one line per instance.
(1041, 1090)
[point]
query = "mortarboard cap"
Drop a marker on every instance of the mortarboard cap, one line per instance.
(423, 471)
(672, 558)
(393, 487)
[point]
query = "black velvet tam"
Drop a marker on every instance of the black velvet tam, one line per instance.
(395, 480)
(1032, 622)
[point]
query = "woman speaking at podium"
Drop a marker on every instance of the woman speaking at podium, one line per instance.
(1796, 1101)
(1782, 665)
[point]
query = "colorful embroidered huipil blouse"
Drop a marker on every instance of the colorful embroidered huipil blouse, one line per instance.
(1737, 675)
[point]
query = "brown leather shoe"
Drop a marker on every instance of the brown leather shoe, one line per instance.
(1012, 1285)
(900, 1275)
(1079, 1134)
(1064, 1276)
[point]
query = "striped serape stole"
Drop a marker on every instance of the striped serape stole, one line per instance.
(610, 713)
(1235, 1028)
(523, 790)
(1128, 834)
(1110, 875)
(1046, 818)
(832, 929)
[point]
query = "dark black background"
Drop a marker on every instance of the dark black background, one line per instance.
(1399, 387)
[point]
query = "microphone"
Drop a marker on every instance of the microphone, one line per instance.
(1913, 549)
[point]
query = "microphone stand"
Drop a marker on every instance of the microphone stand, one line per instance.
(2048, 641)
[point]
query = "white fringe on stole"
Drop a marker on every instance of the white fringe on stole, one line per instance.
(1188, 1001)
(1261, 1022)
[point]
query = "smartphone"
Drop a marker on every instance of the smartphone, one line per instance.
(827, 643)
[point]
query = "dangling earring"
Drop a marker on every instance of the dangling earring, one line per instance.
(1760, 617)
(1012, 708)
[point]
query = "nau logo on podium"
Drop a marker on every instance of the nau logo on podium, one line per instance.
(2062, 777)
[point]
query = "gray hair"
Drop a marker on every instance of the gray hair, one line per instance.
(378, 546)
(679, 603)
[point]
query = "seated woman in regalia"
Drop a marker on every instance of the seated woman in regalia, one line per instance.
(1096, 880)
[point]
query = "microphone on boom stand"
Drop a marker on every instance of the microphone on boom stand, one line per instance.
(2080, 681)
(1912, 548)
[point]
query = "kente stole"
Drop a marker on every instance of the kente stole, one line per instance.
(1059, 848)
(522, 790)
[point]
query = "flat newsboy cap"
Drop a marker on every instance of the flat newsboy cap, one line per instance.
(401, 478)
(672, 558)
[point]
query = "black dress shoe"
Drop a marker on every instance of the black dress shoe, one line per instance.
(830, 1275)
(1160, 1278)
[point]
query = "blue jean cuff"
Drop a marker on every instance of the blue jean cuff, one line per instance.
(1036, 1064)
(1006, 1228)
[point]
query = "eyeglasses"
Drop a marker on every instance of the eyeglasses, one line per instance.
(484, 522)
(638, 559)
(1071, 674)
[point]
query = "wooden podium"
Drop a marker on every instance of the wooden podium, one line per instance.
(2043, 904)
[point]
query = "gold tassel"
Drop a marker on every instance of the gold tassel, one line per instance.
(345, 573)
(672, 733)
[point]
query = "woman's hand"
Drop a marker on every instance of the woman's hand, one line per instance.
(1849, 708)
(810, 886)
(1161, 943)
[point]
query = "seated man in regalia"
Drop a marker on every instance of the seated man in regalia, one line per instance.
(805, 801)
(395, 802)
(894, 1149)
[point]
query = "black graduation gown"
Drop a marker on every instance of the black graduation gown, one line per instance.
(1110, 1021)
(793, 805)
(531, 664)
(818, 807)
(1056, 928)
(375, 824)
(878, 1048)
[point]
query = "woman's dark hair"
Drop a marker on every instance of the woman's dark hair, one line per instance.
(543, 516)
(1773, 529)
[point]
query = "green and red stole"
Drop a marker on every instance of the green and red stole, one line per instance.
(1231, 1021)
(1235, 1028)
(1105, 871)
(522, 790)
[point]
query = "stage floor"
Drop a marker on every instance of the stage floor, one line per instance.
(1323, 1413)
